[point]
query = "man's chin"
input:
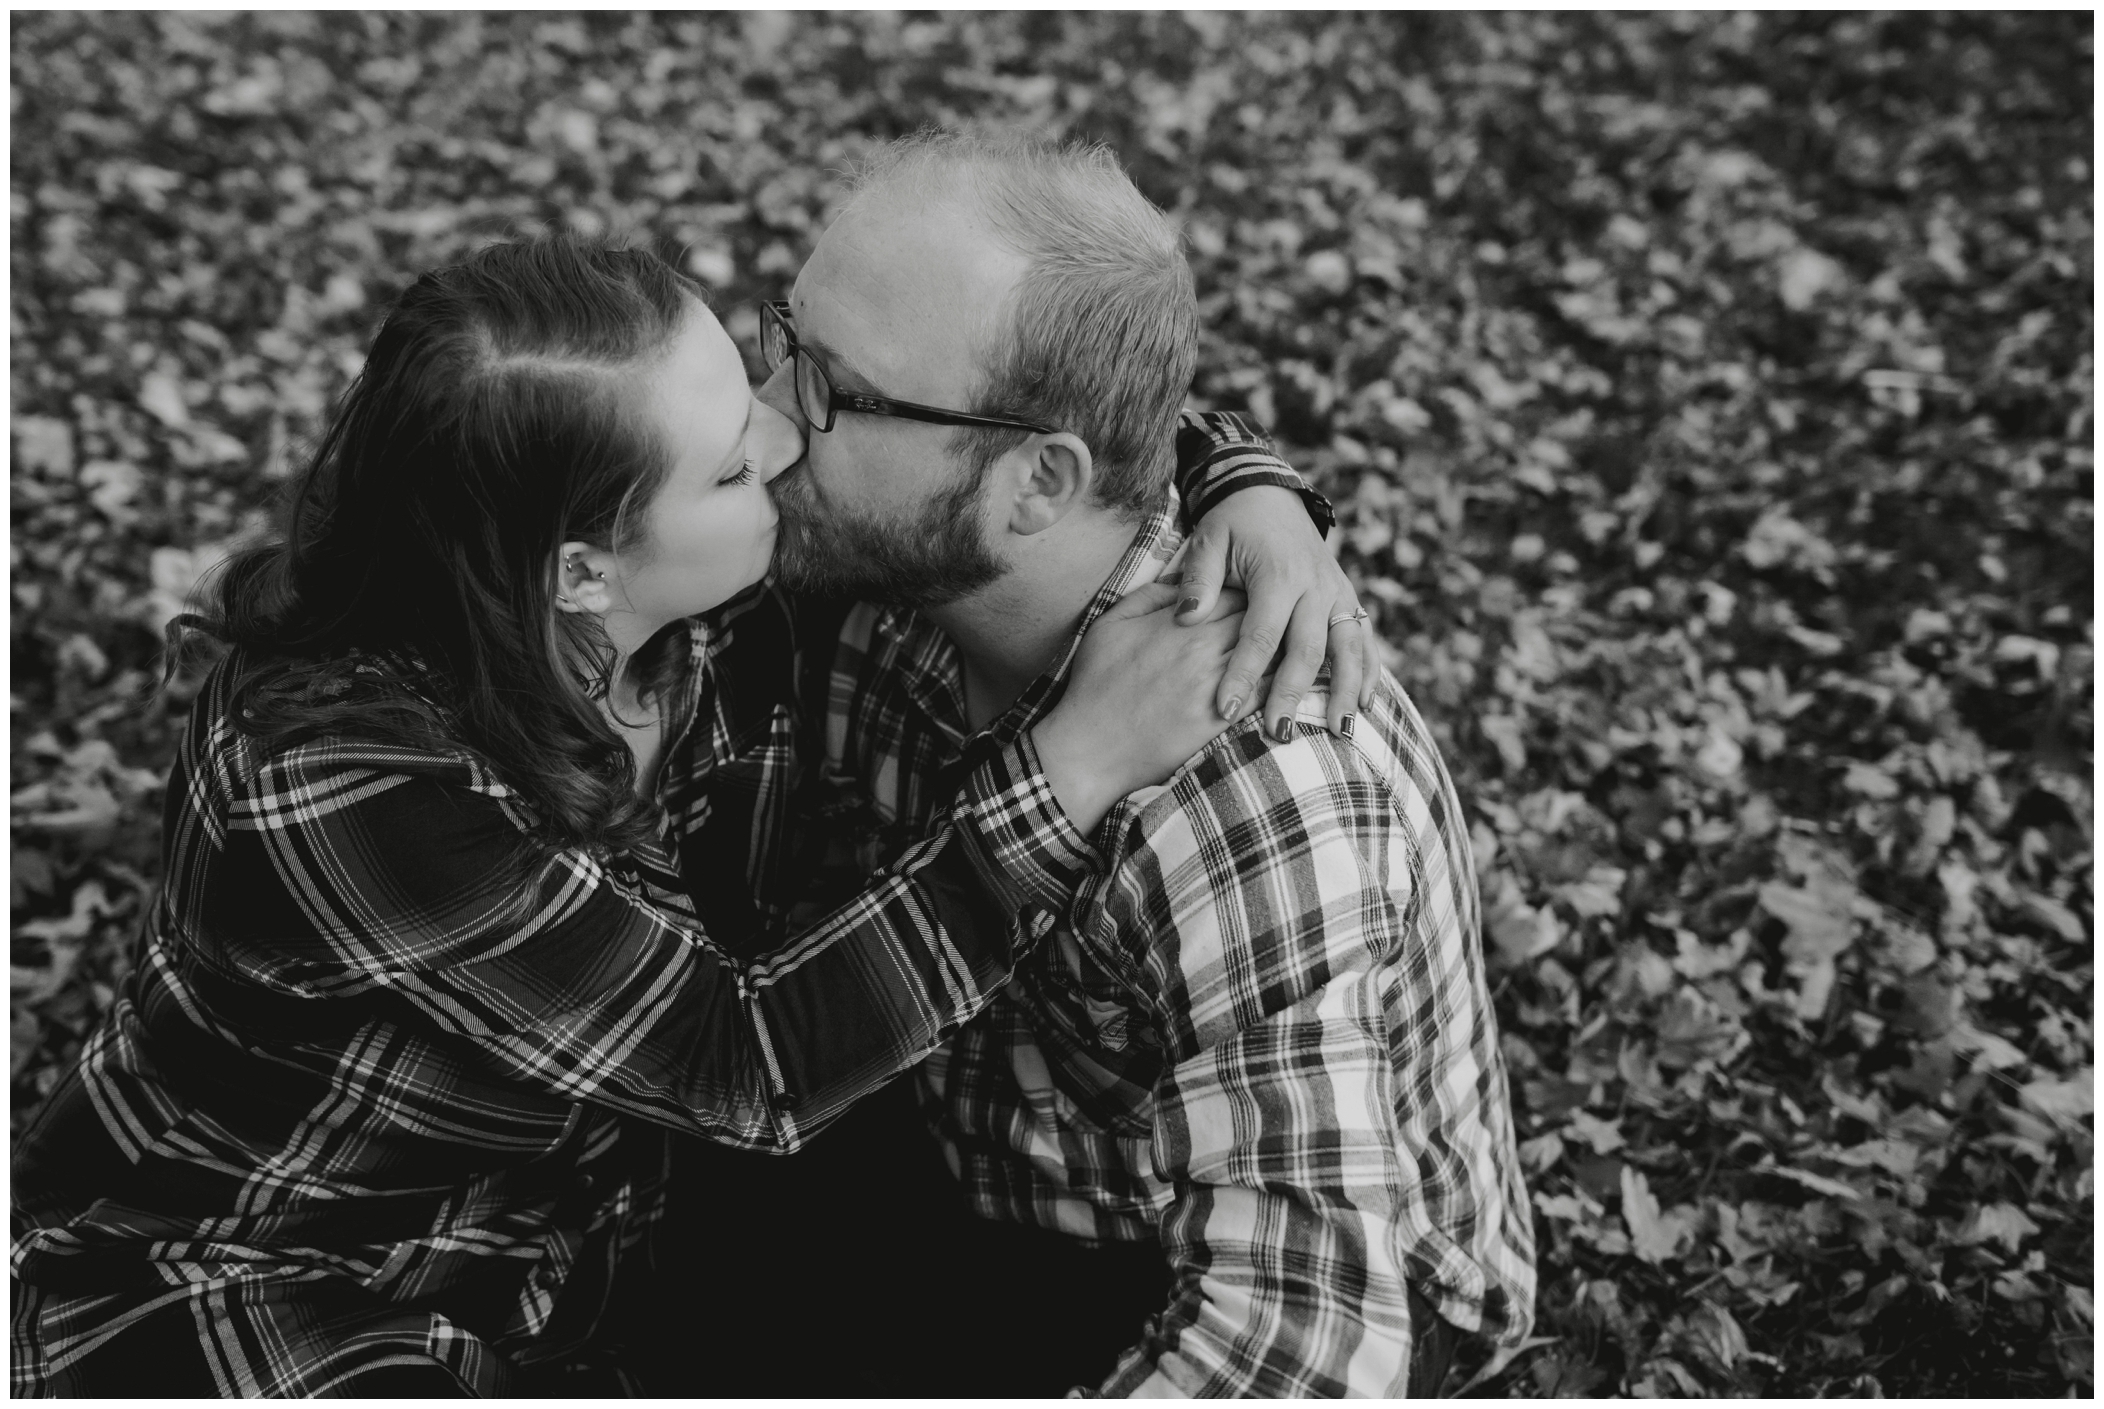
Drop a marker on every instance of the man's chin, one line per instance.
(802, 565)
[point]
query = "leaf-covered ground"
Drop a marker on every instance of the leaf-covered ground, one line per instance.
(1709, 405)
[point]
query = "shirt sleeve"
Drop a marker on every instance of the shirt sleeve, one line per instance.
(1331, 1116)
(1219, 453)
(363, 871)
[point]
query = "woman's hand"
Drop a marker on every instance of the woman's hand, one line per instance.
(1139, 700)
(1261, 540)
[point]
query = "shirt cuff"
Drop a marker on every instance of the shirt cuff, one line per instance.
(1024, 846)
(1320, 511)
(1219, 453)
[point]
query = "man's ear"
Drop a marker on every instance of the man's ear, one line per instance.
(1054, 476)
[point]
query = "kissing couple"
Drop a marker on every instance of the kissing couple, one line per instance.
(607, 750)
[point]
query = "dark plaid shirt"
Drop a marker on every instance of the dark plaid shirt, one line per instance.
(348, 1108)
(1261, 1033)
(340, 1059)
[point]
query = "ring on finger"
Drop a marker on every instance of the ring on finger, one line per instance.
(1357, 615)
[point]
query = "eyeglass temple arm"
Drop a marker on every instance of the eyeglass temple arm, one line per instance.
(908, 411)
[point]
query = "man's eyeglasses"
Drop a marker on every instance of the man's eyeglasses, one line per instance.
(819, 399)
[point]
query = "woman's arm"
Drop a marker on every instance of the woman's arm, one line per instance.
(352, 869)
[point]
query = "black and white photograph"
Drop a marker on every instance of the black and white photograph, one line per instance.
(1021, 704)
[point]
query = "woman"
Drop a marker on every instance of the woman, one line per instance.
(383, 1104)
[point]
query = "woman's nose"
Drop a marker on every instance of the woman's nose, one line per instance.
(779, 391)
(777, 440)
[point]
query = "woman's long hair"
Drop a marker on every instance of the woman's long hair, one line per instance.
(499, 415)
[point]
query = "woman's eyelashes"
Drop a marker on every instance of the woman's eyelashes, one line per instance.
(745, 475)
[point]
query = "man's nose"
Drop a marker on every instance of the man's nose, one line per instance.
(777, 440)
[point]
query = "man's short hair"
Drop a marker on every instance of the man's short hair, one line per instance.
(1100, 337)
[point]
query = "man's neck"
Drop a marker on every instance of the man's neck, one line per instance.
(1013, 631)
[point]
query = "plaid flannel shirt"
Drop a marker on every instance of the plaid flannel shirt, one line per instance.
(1261, 1032)
(344, 1110)
(347, 1107)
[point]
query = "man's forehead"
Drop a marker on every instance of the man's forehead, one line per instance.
(889, 289)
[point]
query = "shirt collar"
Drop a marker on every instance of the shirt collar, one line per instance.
(932, 673)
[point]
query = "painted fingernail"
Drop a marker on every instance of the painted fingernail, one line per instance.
(1284, 732)
(1346, 725)
(1232, 709)
(1188, 604)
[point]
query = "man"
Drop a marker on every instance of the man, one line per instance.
(1262, 1037)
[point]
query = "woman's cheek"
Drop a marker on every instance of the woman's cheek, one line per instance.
(764, 525)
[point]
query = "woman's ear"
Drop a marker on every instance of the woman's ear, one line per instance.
(1053, 479)
(580, 580)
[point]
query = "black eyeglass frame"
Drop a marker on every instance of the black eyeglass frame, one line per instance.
(774, 317)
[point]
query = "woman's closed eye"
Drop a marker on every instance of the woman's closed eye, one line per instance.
(744, 475)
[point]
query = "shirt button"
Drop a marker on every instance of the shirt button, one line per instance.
(787, 1101)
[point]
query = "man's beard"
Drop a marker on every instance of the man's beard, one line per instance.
(922, 559)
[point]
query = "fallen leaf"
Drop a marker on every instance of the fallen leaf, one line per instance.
(2055, 917)
(44, 443)
(1655, 1236)
(1815, 987)
(1329, 270)
(161, 394)
(1989, 1052)
(1506, 735)
(1729, 1237)
(112, 485)
(1869, 780)
(1928, 1006)
(1693, 1029)
(1406, 416)
(1820, 923)
(1817, 1183)
(1600, 893)
(1717, 1335)
(1524, 933)
(91, 810)
(1721, 756)
(1804, 276)
(1542, 1152)
(2064, 1102)
(1893, 1156)
(2002, 1223)
(1604, 1136)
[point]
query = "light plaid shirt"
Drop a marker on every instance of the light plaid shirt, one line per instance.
(1261, 1033)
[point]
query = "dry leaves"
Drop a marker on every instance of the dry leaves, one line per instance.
(1707, 399)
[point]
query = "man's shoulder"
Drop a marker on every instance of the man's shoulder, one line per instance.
(1266, 869)
(1313, 824)
(1390, 764)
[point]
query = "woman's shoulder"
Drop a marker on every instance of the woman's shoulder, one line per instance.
(294, 731)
